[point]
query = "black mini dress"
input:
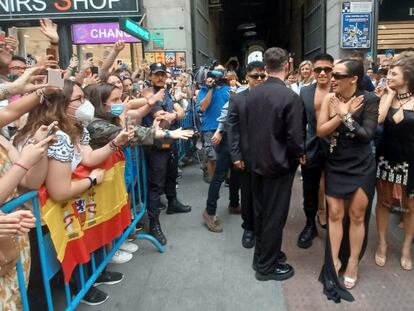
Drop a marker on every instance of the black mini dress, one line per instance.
(395, 151)
(350, 165)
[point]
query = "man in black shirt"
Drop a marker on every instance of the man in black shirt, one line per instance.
(237, 135)
(275, 137)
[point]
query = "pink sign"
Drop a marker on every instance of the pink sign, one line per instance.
(99, 33)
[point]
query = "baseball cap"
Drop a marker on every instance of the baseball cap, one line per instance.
(158, 67)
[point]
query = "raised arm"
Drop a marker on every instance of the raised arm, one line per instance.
(110, 59)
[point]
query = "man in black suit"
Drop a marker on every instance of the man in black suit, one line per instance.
(312, 97)
(237, 136)
(275, 137)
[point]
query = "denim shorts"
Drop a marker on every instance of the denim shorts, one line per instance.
(209, 148)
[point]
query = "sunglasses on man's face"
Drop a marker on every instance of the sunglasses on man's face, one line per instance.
(257, 76)
(318, 70)
(340, 76)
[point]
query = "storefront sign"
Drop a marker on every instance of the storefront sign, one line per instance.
(99, 33)
(392, 11)
(68, 9)
(134, 29)
(356, 31)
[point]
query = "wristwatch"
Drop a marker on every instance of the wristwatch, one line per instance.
(93, 181)
(167, 134)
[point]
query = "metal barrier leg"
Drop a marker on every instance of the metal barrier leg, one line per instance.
(22, 286)
(43, 261)
(153, 240)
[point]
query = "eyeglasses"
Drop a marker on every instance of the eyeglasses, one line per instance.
(257, 76)
(81, 99)
(318, 70)
(17, 68)
(340, 76)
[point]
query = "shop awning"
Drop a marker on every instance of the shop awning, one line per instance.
(396, 35)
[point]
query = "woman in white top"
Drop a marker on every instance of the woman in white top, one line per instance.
(305, 76)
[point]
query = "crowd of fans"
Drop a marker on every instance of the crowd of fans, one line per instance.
(49, 129)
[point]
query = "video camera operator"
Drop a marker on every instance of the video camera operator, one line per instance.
(162, 158)
(211, 99)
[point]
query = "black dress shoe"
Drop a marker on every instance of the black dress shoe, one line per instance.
(282, 271)
(175, 206)
(248, 239)
(306, 236)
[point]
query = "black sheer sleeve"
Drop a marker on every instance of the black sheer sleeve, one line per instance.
(364, 130)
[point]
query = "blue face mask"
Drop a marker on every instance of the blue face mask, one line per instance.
(116, 109)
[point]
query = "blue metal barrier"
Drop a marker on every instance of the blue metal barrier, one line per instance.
(8, 208)
(48, 260)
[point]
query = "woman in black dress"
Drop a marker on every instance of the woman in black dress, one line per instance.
(396, 157)
(349, 118)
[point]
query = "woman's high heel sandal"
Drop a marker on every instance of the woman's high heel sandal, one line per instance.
(349, 282)
(380, 260)
(406, 263)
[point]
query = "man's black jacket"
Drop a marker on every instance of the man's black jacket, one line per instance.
(275, 128)
(237, 127)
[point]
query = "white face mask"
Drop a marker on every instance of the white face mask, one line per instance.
(85, 112)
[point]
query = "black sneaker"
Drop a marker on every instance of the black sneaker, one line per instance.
(109, 278)
(94, 297)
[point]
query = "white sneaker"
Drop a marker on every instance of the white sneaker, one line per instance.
(121, 257)
(129, 247)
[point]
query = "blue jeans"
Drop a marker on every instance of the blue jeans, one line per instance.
(223, 164)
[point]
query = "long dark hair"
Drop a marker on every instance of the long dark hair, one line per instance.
(355, 68)
(52, 109)
(98, 94)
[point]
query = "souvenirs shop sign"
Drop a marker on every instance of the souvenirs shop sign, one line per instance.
(67, 9)
(99, 33)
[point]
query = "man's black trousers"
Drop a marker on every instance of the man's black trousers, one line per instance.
(271, 199)
(311, 180)
(162, 171)
(247, 211)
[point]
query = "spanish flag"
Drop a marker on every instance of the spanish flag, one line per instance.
(82, 225)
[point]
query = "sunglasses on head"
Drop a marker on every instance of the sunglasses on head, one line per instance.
(257, 76)
(340, 76)
(318, 70)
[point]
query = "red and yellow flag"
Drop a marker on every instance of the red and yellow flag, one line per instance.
(80, 226)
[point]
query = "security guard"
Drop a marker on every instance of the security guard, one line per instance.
(162, 160)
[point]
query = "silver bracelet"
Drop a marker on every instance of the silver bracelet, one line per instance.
(348, 121)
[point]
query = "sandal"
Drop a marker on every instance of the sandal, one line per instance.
(350, 282)
(380, 260)
(406, 263)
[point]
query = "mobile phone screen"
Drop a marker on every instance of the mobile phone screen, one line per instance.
(55, 78)
(50, 51)
(95, 70)
(50, 130)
